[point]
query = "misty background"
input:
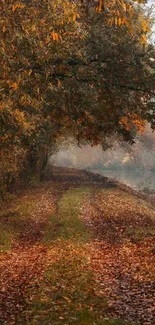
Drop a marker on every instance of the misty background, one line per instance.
(133, 165)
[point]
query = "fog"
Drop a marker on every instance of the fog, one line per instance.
(139, 155)
(131, 164)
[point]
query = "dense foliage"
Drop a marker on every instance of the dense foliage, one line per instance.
(80, 68)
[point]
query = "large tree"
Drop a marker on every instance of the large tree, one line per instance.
(82, 68)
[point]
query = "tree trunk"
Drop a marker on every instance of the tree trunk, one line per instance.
(43, 164)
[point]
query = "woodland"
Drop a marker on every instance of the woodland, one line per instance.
(81, 69)
(76, 248)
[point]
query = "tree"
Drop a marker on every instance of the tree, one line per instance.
(79, 68)
(31, 45)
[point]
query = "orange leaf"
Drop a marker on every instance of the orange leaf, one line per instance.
(14, 86)
(59, 83)
(17, 6)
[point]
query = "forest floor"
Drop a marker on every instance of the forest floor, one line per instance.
(77, 249)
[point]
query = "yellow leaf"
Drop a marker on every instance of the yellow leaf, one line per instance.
(125, 8)
(29, 73)
(67, 299)
(110, 22)
(143, 39)
(123, 5)
(41, 44)
(74, 17)
(4, 29)
(131, 11)
(3, 44)
(144, 26)
(119, 21)
(17, 6)
(33, 28)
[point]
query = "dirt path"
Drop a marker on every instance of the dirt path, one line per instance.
(121, 251)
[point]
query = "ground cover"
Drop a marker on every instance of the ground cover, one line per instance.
(77, 249)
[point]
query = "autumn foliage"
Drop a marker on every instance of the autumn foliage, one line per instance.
(70, 68)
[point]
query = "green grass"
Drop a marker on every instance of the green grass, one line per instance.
(68, 294)
(65, 223)
(6, 237)
(140, 233)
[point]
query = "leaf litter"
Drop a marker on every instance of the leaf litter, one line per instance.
(120, 255)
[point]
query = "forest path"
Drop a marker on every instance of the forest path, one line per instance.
(96, 241)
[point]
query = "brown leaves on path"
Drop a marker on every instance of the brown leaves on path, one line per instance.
(120, 252)
(20, 269)
(23, 266)
(122, 255)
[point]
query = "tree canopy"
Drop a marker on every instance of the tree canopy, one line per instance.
(80, 68)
